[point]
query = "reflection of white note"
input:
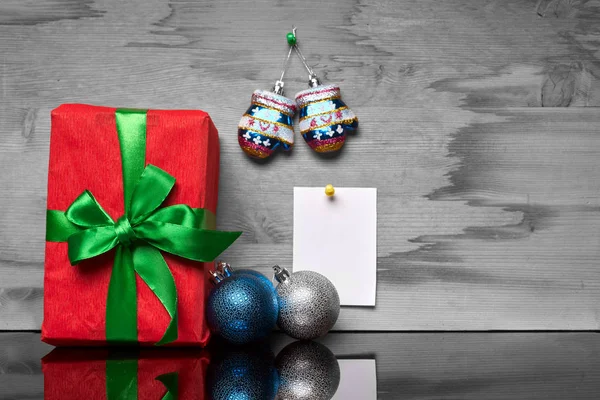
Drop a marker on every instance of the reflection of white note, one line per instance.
(358, 380)
(337, 237)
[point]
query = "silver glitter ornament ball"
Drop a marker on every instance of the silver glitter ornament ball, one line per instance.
(307, 371)
(309, 304)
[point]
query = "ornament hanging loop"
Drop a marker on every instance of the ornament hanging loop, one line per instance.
(278, 88)
(313, 80)
(281, 274)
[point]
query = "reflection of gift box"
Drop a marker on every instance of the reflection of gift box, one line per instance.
(122, 265)
(101, 374)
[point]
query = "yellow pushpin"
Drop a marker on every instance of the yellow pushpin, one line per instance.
(329, 190)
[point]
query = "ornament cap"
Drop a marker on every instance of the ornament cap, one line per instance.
(278, 88)
(281, 274)
(215, 277)
(224, 269)
(313, 81)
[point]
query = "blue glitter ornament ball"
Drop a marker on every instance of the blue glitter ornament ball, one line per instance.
(241, 308)
(242, 373)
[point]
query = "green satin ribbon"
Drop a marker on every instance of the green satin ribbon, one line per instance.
(121, 379)
(139, 235)
(122, 383)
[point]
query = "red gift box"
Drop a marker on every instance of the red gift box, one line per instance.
(103, 374)
(86, 154)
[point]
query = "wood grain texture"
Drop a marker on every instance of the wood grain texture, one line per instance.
(464, 366)
(478, 128)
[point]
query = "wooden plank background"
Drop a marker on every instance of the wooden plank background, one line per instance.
(478, 128)
(465, 366)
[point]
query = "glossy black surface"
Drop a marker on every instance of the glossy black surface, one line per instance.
(409, 365)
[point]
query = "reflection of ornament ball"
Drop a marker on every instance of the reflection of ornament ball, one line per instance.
(240, 308)
(242, 374)
(309, 304)
(307, 371)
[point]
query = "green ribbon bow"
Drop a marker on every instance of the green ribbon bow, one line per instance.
(138, 236)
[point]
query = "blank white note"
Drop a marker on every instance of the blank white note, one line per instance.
(358, 380)
(337, 237)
